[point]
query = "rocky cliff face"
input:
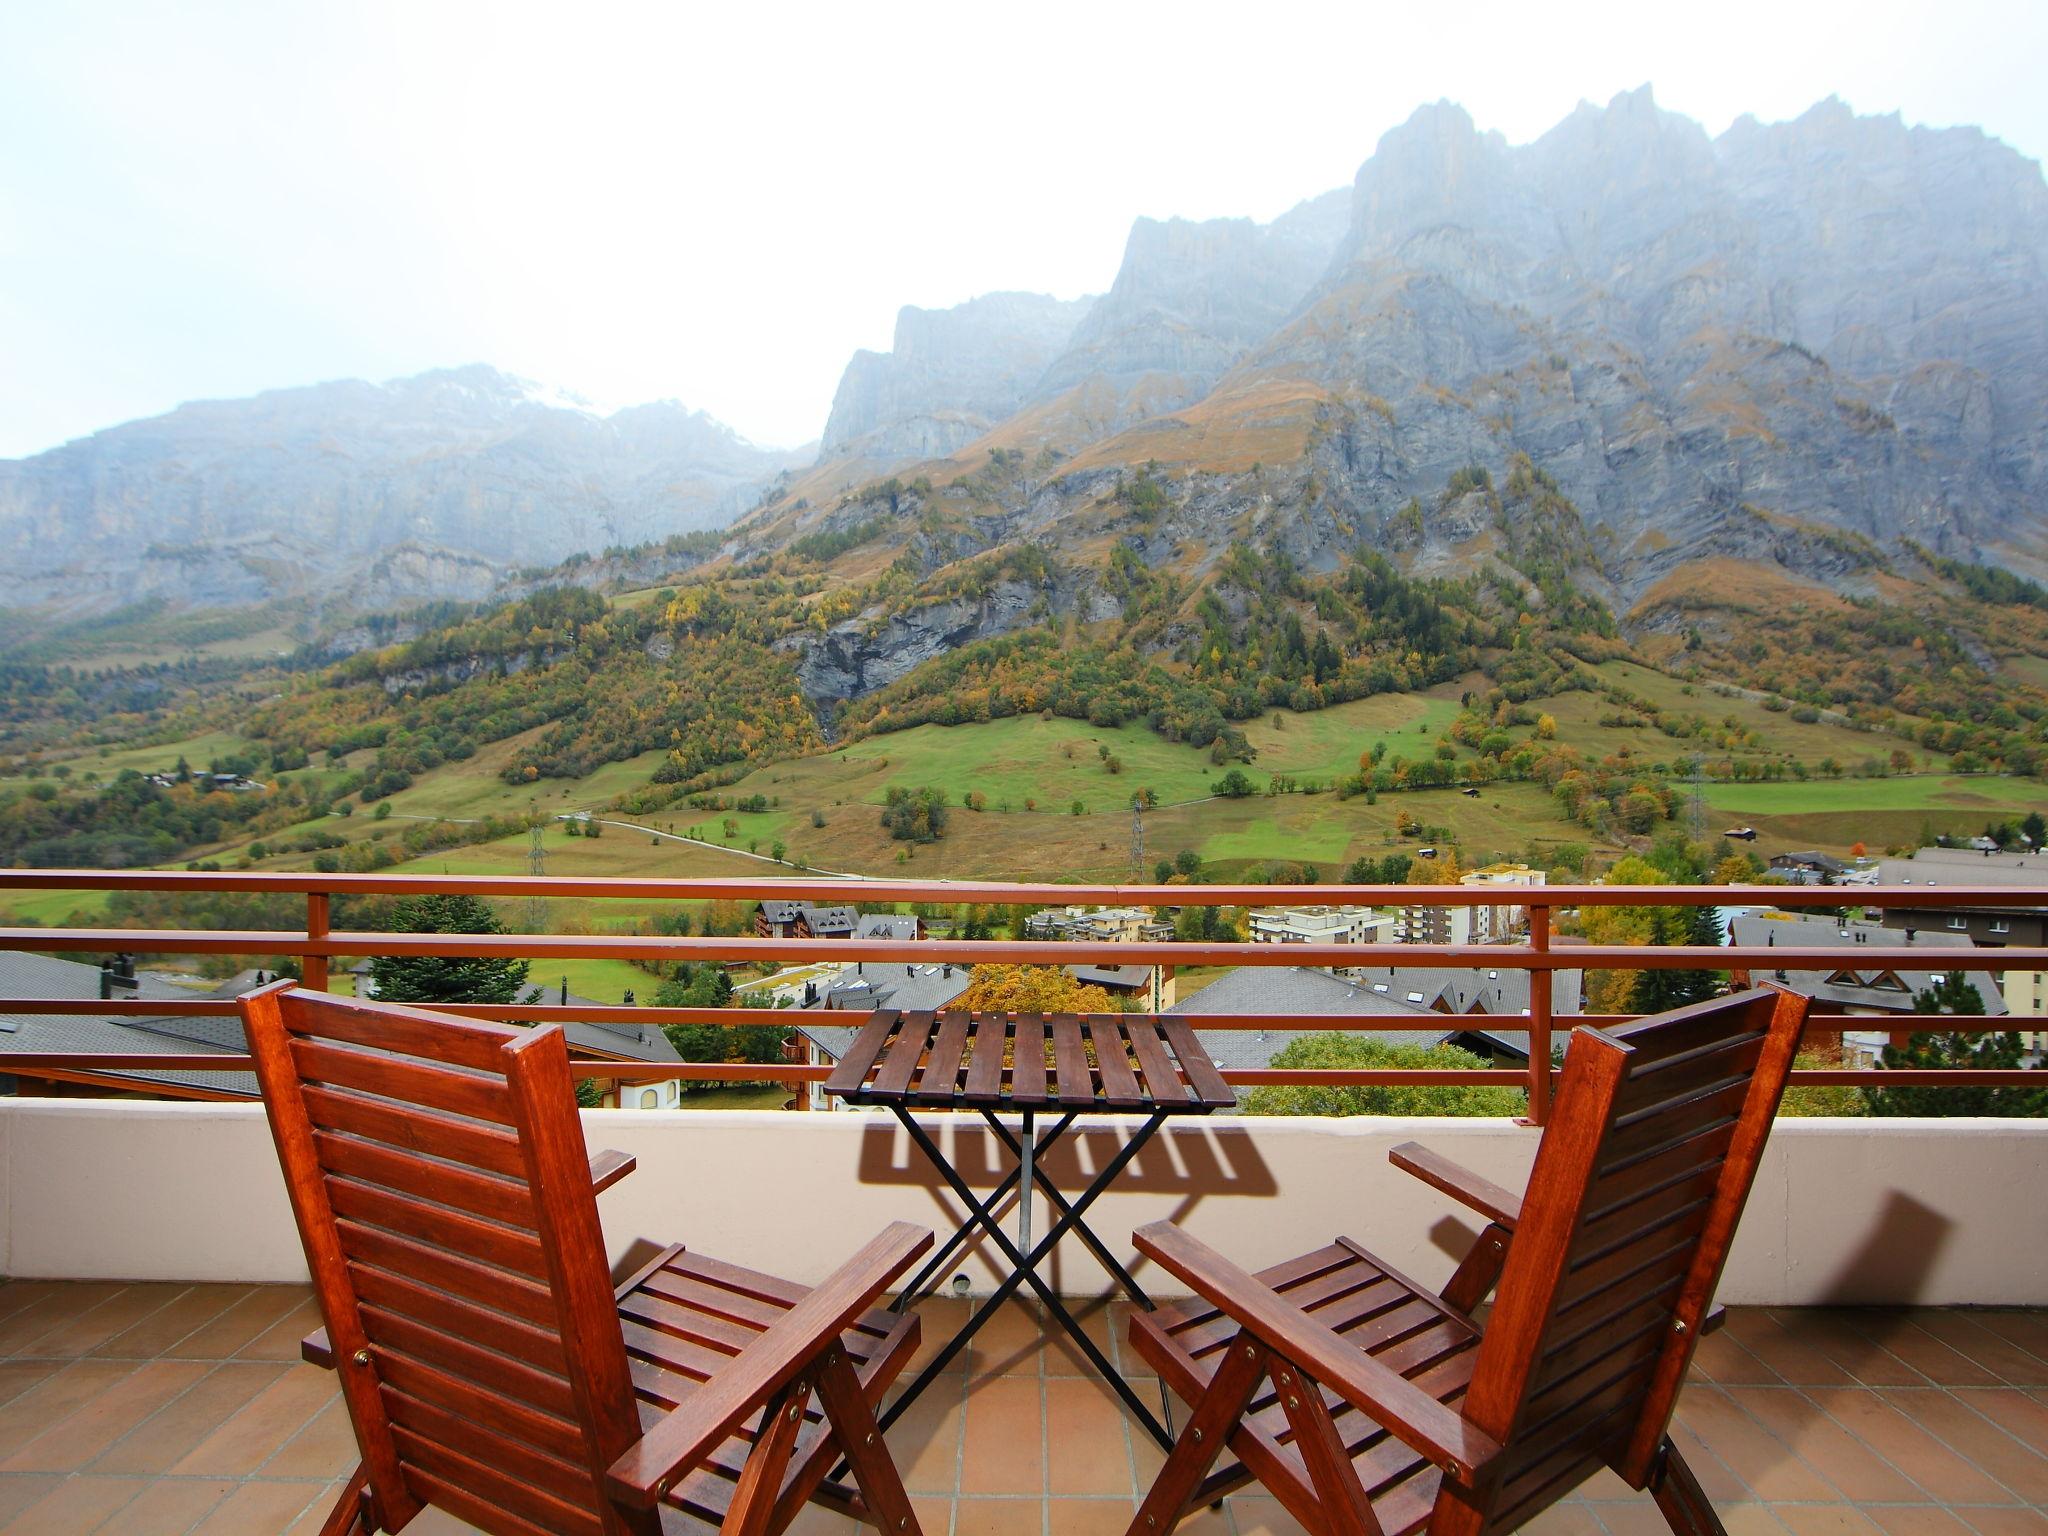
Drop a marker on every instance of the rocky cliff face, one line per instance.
(951, 374)
(370, 494)
(1836, 319)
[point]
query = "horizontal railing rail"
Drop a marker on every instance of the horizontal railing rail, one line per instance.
(1545, 952)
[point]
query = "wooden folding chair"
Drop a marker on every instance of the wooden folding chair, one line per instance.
(448, 1207)
(1392, 1409)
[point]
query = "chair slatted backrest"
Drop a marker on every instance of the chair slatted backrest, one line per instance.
(1631, 1206)
(437, 1169)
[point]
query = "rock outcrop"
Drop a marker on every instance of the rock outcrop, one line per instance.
(950, 376)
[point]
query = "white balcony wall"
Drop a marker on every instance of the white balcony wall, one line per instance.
(1933, 1212)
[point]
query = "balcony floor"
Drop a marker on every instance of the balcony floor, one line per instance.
(145, 1409)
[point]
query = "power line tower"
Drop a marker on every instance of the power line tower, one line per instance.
(1699, 803)
(1137, 838)
(536, 865)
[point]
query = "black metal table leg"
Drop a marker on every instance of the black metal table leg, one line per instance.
(1024, 1269)
(926, 1278)
(1082, 1230)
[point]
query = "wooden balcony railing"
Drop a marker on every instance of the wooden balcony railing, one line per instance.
(317, 944)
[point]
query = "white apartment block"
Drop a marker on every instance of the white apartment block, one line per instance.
(1319, 925)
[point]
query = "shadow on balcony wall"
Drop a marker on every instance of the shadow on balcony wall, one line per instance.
(1894, 1261)
(1190, 1165)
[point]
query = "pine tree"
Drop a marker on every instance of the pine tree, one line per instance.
(2001, 1050)
(447, 978)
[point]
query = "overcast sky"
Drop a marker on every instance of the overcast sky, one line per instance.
(720, 203)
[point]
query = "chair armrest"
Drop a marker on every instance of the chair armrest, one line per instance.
(1387, 1397)
(701, 1423)
(1482, 1195)
(607, 1168)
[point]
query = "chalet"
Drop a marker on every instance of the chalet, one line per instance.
(1852, 987)
(1987, 923)
(1808, 867)
(884, 925)
(1476, 990)
(1098, 925)
(1144, 988)
(801, 920)
(859, 989)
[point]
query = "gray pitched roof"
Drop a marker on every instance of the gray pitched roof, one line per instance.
(26, 975)
(1290, 989)
(1769, 931)
(884, 925)
(1480, 989)
(831, 919)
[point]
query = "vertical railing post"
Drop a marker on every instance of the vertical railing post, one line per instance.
(1540, 991)
(313, 968)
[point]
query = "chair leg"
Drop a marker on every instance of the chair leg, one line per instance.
(1208, 1430)
(860, 1442)
(1684, 1503)
(351, 1513)
(752, 1509)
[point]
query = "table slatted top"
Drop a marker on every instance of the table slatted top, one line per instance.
(1141, 1062)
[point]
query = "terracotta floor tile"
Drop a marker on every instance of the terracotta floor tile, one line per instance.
(1947, 1477)
(260, 1508)
(1824, 1520)
(1825, 1446)
(169, 1506)
(1063, 1357)
(1635, 1516)
(1759, 1458)
(2016, 1466)
(1749, 1518)
(1784, 1350)
(281, 1340)
(812, 1520)
(1085, 1439)
(253, 1434)
(113, 1413)
(75, 1504)
(934, 1516)
(1573, 1519)
(162, 1442)
(1089, 1517)
(998, 1517)
(241, 1323)
(1009, 1343)
(939, 1319)
(1205, 1522)
(1259, 1514)
(1725, 1361)
(1715, 1479)
(1915, 1520)
(325, 1448)
(2007, 1522)
(1964, 1333)
(16, 1294)
(19, 1376)
(19, 1492)
(1899, 1335)
(2019, 1414)
(175, 1320)
(2029, 1330)
(84, 1333)
(55, 1308)
(59, 1395)
(1003, 1451)
(1831, 1332)
(926, 1440)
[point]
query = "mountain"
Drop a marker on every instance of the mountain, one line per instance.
(1782, 345)
(950, 376)
(369, 494)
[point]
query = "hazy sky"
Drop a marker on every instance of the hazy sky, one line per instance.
(720, 203)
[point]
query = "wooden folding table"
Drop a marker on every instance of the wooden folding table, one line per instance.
(1063, 1066)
